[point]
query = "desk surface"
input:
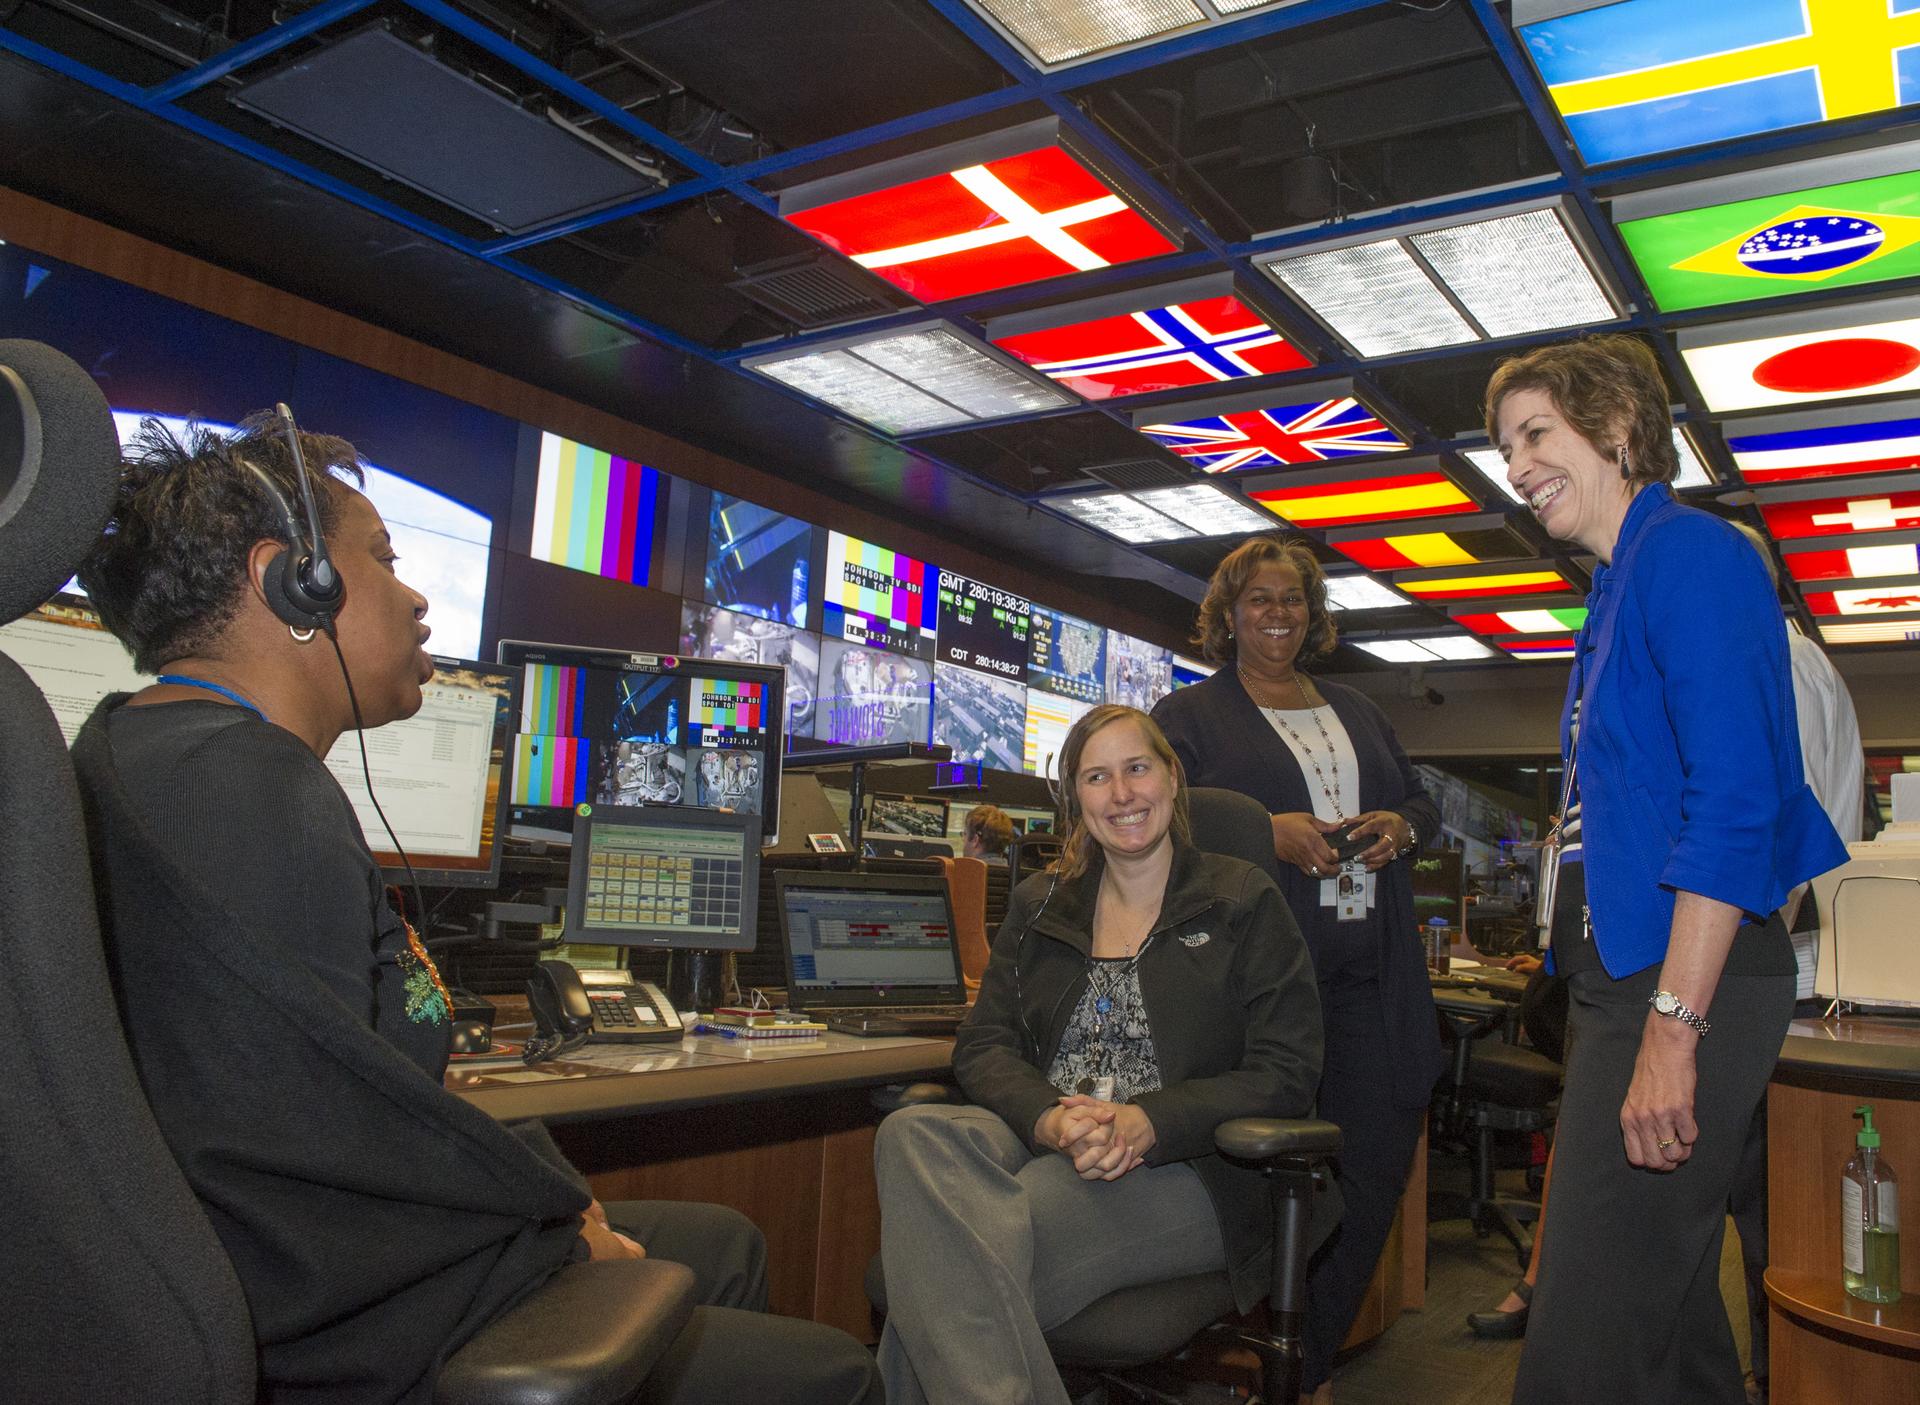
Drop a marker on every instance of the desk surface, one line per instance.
(614, 1080)
(1877, 1047)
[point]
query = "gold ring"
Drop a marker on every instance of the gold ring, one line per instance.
(1668, 1142)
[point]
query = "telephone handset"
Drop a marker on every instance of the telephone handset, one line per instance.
(606, 1006)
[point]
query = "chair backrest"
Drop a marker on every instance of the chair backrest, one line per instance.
(1227, 822)
(1029, 853)
(967, 887)
(113, 1285)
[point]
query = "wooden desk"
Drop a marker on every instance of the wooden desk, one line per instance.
(1825, 1346)
(787, 1140)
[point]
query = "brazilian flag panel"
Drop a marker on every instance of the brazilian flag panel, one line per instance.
(1831, 236)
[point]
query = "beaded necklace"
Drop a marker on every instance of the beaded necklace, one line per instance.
(424, 985)
(1331, 791)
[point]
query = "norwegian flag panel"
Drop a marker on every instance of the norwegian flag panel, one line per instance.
(1832, 517)
(996, 225)
(1275, 438)
(1159, 348)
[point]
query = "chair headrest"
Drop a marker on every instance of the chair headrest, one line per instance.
(59, 466)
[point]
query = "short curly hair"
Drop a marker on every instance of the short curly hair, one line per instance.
(167, 574)
(1213, 634)
(1599, 383)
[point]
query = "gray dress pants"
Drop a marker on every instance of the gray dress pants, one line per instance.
(985, 1246)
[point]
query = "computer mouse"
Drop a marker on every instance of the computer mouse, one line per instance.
(470, 1037)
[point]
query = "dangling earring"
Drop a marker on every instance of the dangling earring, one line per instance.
(1625, 471)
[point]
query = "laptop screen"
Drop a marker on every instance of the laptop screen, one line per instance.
(868, 939)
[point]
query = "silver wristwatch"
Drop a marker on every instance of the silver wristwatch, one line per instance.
(1665, 1002)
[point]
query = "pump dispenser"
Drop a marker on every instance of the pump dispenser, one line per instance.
(1869, 1219)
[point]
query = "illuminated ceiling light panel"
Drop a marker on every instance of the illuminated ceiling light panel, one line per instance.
(1842, 222)
(1827, 451)
(1854, 563)
(1692, 473)
(1829, 354)
(1118, 515)
(1474, 587)
(1555, 621)
(907, 381)
(1832, 517)
(1894, 598)
(1642, 76)
(1231, 436)
(1442, 648)
(1464, 541)
(1905, 631)
(1536, 647)
(1014, 208)
(1385, 498)
(1446, 285)
(1205, 509)
(1361, 593)
(1055, 33)
(1194, 335)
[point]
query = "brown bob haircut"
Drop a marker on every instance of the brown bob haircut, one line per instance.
(1609, 388)
(990, 825)
(1213, 634)
(1076, 854)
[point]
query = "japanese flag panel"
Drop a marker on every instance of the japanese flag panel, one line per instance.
(1806, 366)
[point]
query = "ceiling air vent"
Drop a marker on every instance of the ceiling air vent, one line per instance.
(810, 291)
(1139, 473)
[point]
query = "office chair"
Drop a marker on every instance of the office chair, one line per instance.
(1138, 1326)
(967, 888)
(113, 1285)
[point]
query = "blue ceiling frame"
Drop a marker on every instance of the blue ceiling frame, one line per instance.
(1582, 189)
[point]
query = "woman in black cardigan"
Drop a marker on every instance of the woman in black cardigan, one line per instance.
(1325, 763)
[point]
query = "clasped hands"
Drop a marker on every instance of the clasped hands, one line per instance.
(1300, 839)
(1103, 1140)
(603, 1240)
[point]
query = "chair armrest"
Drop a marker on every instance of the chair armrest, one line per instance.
(895, 1096)
(587, 1336)
(1260, 1139)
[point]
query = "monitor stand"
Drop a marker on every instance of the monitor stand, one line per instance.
(698, 980)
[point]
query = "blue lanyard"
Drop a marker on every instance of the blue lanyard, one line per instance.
(182, 680)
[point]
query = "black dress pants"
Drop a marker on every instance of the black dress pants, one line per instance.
(1628, 1309)
(734, 1350)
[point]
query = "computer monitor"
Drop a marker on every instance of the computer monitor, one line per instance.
(887, 846)
(606, 728)
(439, 776)
(868, 939)
(914, 816)
(669, 876)
(71, 658)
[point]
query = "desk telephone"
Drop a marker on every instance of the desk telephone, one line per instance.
(606, 1006)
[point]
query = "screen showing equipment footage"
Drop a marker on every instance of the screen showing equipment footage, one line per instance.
(878, 597)
(1067, 656)
(983, 718)
(707, 632)
(644, 729)
(758, 561)
(1139, 674)
(983, 627)
(869, 697)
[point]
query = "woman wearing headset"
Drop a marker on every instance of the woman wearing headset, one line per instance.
(289, 1030)
(1140, 994)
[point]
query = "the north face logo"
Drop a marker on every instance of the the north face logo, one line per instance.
(1195, 938)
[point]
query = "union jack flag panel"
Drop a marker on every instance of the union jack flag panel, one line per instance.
(1158, 348)
(1285, 434)
(994, 225)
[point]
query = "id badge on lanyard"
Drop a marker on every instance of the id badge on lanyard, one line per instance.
(1350, 892)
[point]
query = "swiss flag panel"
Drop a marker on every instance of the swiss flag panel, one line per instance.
(1829, 517)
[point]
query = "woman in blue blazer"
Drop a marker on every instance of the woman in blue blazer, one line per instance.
(1688, 823)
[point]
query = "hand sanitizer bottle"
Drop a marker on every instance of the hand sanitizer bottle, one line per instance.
(1869, 1220)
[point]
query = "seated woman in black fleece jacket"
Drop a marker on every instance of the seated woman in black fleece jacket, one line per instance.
(289, 1032)
(1140, 994)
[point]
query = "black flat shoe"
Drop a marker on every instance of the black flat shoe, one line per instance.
(1504, 1325)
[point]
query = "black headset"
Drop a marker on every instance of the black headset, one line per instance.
(303, 589)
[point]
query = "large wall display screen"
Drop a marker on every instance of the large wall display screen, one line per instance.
(758, 561)
(983, 627)
(869, 697)
(1050, 716)
(1067, 656)
(710, 633)
(878, 597)
(982, 717)
(644, 729)
(1139, 674)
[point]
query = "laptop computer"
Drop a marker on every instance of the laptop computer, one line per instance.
(871, 953)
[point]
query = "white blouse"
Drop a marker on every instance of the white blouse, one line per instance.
(1334, 753)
